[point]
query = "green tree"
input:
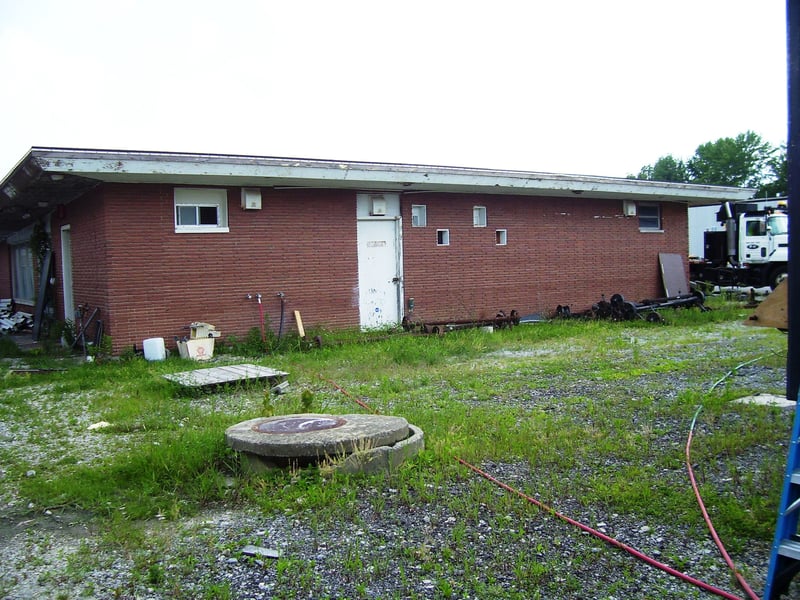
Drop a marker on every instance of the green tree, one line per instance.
(740, 161)
(778, 176)
(666, 168)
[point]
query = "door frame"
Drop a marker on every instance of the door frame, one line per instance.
(66, 273)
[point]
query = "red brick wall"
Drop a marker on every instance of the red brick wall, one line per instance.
(301, 243)
(152, 282)
(565, 251)
(88, 222)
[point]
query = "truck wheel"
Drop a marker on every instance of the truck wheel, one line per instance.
(777, 275)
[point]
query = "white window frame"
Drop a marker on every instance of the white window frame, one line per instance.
(419, 215)
(442, 237)
(649, 222)
(501, 237)
(22, 274)
(479, 216)
(199, 198)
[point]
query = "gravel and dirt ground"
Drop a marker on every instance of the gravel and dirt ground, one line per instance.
(389, 543)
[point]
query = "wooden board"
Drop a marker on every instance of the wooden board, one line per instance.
(301, 331)
(673, 274)
(224, 375)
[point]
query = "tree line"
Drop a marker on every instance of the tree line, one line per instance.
(743, 161)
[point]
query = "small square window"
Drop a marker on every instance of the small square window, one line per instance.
(442, 237)
(419, 216)
(649, 217)
(479, 216)
(201, 210)
(501, 237)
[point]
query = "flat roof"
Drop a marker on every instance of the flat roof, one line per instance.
(46, 177)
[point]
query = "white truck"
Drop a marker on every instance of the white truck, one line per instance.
(751, 250)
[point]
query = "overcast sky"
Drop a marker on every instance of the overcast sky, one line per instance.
(583, 86)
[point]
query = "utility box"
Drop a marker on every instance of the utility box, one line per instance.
(378, 206)
(629, 208)
(251, 198)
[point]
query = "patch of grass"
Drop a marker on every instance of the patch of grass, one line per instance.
(168, 475)
(582, 405)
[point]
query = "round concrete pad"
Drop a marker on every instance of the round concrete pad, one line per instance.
(286, 437)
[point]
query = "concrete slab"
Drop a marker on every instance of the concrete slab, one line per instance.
(383, 459)
(766, 400)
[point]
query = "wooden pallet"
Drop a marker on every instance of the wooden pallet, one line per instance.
(225, 375)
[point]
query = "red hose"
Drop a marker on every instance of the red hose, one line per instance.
(363, 405)
(651, 561)
(711, 529)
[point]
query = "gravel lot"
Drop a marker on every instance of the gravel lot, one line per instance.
(389, 544)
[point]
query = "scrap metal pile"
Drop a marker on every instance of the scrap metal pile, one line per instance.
(614, 309)
(619, 309)
(11, 320)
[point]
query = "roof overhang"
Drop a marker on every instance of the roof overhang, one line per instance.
(46, 177)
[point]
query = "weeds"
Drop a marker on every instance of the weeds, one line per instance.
(554, 397)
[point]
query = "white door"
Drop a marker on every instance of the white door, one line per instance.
(754, 240)
(379, 274)
(66, 273)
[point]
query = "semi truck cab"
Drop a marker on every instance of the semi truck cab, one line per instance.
(765, 238)
(752, 250)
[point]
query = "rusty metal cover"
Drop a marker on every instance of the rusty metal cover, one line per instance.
(299, 424)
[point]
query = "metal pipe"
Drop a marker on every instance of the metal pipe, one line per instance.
(602, 536)
(363, 405)
(261, 318)
(793, 157)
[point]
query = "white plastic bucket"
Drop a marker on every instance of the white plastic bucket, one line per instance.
(154, 349)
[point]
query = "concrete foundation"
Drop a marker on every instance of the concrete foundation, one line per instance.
(351, 443)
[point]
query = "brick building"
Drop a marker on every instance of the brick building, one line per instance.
(159, 240)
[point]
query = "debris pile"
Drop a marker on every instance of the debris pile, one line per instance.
(619, 309)
(200, 343)
(12, 321)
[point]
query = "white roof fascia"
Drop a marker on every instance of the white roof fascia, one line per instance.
(233, 170)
